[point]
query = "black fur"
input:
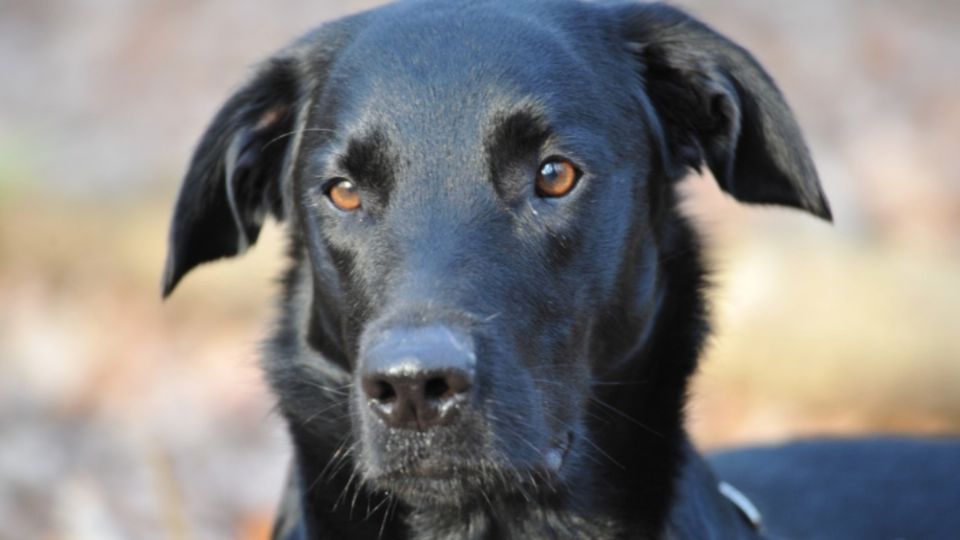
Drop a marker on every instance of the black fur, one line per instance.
(586, 313)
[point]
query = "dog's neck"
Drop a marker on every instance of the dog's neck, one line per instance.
(640, 414)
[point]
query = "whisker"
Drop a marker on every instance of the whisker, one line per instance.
(356, 495)
(587, 440)
(492, 317)
(339, 458)
(336, 404)
(483, 494)
(291, 133)
(342, 390)
(617, 411)
(343, 460)
(346, 489)
(370, 513)
(616, 383)
(386, 515)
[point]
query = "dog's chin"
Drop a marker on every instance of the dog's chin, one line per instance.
(454, 487)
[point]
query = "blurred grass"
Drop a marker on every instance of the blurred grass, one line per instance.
(16, 165)
(820, 333)
(119, 411)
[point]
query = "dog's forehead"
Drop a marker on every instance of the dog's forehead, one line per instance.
(444, 70)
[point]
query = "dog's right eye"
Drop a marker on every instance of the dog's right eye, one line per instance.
(343, 194)
(556, 177)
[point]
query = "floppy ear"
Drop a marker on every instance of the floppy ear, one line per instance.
(718, 106)
(234, 177)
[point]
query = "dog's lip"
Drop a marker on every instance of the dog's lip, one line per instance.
(428, 474)
(553, 460)
(434, 472)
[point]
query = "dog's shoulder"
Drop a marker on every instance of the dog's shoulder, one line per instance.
(886, 487)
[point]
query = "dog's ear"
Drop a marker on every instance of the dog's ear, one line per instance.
(717, 105)
(234, 178)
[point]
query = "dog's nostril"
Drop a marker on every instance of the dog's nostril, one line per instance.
(446, 386)
(380, 390)
(417, 400)
(385, 392)
(436, 388)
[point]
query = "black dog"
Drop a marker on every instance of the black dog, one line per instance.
(493, 306)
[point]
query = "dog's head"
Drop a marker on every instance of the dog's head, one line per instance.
(480, 198)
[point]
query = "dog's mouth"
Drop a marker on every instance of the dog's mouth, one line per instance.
(431, 469)
(439, 481)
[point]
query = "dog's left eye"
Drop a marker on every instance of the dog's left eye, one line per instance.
(344, 194)
(556, 178)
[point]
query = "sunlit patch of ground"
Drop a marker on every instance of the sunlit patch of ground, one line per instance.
(818, 331)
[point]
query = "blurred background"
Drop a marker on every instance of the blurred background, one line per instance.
(125, 417)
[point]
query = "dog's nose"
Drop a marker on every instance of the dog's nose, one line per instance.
(418, 378)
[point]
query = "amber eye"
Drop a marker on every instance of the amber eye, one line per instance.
(344, 195)
(556, 178)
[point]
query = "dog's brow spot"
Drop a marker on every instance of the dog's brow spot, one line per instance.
(515, 136)
(270, 117)
(368, 159)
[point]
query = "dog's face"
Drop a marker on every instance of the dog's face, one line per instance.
(480, 198)
(477, 218)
